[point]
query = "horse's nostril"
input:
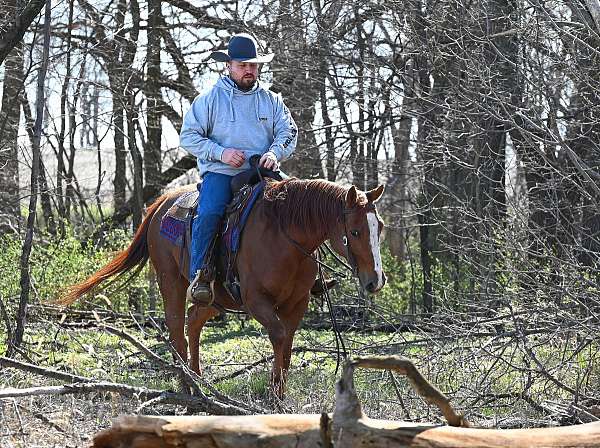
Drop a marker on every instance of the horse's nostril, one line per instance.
(371, 287)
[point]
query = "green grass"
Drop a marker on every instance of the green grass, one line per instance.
(459, 369)
(468, 369)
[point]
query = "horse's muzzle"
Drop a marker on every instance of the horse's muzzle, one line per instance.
(373, 284)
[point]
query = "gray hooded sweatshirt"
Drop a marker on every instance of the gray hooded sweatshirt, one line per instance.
(255, 122)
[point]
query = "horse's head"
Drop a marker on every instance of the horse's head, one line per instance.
(358, 237)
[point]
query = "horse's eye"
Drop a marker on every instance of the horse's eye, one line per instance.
(354, 233)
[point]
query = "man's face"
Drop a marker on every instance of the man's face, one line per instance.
(243, 73)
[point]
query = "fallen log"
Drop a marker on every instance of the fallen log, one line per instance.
(348, 427)
(266, 431)
(304, 431)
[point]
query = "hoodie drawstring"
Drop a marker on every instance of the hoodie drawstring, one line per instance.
(232, 118)
(257, 106)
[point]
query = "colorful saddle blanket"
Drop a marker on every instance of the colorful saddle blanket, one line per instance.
(176, 223)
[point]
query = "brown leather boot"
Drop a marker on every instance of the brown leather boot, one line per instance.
(199, 292)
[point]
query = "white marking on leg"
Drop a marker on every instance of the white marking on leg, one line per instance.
(375, 249)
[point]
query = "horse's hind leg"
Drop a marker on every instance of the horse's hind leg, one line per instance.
(197, 317)
(172, 288)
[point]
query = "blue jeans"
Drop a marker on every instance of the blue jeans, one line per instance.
(215, 195)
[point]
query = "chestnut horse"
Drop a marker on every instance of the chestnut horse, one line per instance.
(276, 271)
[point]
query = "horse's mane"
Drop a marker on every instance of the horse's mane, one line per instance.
(304, 204)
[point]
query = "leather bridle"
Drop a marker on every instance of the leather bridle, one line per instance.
(351, 266)
(370, 207)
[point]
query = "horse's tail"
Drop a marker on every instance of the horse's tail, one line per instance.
(135, 255)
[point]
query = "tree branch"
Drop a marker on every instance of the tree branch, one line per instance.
(593, 7)
(14, 34)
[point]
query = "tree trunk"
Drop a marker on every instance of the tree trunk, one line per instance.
(397, 185)
(136, 157)
(593, 7)
(64, 96)
(396, 190)
(152, 150)
(432, 97)
(116, 74)
(425, 223)
(583, 136)
(25, 282)
(45, 196)
(10, 114)
(357, 156)
(70, 181)
(329, 143)
(119, 181)
(11, 36)
(296, 80)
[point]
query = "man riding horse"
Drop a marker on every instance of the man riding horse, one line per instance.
(224, 127)
(235, 120)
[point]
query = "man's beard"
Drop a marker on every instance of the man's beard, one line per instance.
(246, 84)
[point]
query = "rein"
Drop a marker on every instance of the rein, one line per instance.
(352, 267)
(339, 341)
(370, 207)
(317, 260)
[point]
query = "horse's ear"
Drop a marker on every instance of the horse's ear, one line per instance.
(351, 196)
(375, 194)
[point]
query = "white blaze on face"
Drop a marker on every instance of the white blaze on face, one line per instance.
(374, 238)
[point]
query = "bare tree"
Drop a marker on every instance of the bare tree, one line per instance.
(21, 317)
(10, 116)
(13, 32)
(152, 149)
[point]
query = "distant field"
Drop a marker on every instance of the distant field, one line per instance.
(89, 172)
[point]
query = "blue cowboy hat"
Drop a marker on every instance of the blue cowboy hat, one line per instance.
(242, 48)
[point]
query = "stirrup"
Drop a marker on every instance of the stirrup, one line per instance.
(199, 292)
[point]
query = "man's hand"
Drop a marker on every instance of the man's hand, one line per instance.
(233, 157)
(269, 161)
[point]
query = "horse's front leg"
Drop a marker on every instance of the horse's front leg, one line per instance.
(291, 319)
(278, 336)
(262, 309)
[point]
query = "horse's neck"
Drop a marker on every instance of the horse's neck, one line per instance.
(305, 238)
(309, 236)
